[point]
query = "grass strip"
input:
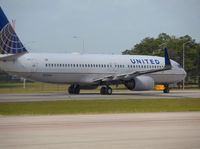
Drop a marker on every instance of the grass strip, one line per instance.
(99, 106)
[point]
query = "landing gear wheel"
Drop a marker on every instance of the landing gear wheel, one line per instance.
(74, 89)
(70, 90)
(109, 90)
(106, 91)
(77, 90)
(103, 91)
(166, 89)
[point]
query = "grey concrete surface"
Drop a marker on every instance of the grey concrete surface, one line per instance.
(112, 131)
(88, 96)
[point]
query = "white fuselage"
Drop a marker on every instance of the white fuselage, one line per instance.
(84, 69)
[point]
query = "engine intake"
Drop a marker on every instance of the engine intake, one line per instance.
(140, 83)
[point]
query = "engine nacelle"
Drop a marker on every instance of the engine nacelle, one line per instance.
(140, 83)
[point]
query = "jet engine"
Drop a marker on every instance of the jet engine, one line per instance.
(140, 83)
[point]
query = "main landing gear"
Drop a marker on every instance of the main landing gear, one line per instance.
(74, 89)
(106, 90)
(166, 88)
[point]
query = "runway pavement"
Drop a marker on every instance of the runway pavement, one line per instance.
(90, 96)
(112, 131)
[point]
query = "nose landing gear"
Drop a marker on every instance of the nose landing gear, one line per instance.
(166, 89)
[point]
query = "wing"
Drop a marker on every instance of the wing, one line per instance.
(128, 76)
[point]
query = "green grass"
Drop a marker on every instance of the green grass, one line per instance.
(99, 106)
(35, 87)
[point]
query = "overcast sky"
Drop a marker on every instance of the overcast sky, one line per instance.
(105, 26)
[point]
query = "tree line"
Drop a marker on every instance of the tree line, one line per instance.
(175, 45)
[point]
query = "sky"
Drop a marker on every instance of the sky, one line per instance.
(99, 26)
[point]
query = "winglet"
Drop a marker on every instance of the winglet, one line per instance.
(167, 60)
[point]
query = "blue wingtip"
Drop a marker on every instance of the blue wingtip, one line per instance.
(167, 60)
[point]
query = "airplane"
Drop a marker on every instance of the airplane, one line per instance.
(86, 71)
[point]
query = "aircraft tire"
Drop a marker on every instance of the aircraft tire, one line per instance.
(166, 89)
(74, 89)
(106, 91)
(77, 89)
(109, 90)
(103, 90)
(70, 90)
